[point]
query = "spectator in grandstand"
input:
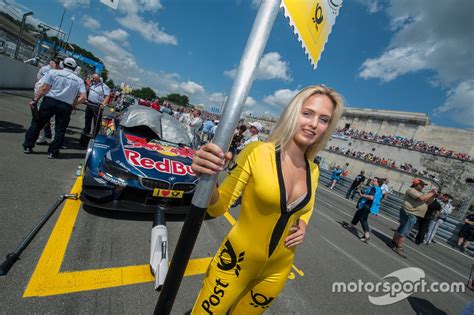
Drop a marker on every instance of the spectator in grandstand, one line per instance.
(369, 203)
(355, 185)
(335, 176)
(466, 234)
(400, 142)
(370, 157)
(438, 218)
(414, 206)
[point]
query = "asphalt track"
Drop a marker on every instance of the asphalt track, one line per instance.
(88, 261)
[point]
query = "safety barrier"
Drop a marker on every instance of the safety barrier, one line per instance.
(447, 232)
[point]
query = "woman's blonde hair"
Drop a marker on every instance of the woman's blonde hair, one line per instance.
(286, 125)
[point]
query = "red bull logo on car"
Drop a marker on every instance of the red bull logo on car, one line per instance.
(165, 166)
(138, 143)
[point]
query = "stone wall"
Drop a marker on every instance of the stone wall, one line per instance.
(410, 125)
(451, 173)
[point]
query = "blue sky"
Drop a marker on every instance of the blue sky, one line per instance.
(407, 55)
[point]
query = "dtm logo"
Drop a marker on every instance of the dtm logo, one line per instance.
(260, 300)
(166, 166)
(228, 259)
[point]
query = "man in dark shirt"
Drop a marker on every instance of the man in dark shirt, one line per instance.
(466, 234)
(355, 185)
(424, 223)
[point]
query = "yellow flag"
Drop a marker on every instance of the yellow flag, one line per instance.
(312, 21)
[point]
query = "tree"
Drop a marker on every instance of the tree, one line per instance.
(178, 99)
(110, 83)
(144, 93)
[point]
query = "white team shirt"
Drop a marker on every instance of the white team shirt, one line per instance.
(64, 84)
(98, 92)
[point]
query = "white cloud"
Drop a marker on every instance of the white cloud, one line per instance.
(393, 63)
(135, 6)
(70, 4)
(148, 29)
(123, 67)
(280, 98)
(459, 104)
(118, 35)
(250, 101)
(90, 23)
(270, 67)
(191, 87)
(426, 41)
(373, 6)
(434, 36)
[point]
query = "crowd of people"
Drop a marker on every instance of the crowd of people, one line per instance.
(58, 92)
(372, 158)
(425, 210)
(400, 141)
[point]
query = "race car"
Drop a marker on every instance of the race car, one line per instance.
(140, 160)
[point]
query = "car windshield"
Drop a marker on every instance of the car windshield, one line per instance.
(165, 126)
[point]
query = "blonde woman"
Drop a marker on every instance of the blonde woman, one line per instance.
(277, 180)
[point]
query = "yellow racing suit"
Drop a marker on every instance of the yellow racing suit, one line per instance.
(252, 264)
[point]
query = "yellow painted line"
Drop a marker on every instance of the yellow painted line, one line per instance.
(229, 218)
(48, 280)
(299, 271)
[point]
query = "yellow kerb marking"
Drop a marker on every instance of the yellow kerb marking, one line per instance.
(47, 279)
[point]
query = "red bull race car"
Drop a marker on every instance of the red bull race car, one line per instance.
(141, 160)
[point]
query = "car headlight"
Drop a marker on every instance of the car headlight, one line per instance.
(117, 171)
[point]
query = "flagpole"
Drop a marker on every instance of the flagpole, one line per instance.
(231, 114)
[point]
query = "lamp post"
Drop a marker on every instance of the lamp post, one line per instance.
(58, 44)
(69, 33)
(17, 49)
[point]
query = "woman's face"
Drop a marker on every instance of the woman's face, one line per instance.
(313, 120)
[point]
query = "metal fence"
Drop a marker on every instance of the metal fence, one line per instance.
(447, 232)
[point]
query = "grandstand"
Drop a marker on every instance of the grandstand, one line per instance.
(368, 138)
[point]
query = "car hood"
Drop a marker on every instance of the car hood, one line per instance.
(155, 159)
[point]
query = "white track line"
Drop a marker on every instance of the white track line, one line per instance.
(396, 222)
(388, 236)
(401, 260)
(362, 265)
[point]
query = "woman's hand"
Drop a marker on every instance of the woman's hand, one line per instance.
(209, 159)
(297, 233)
